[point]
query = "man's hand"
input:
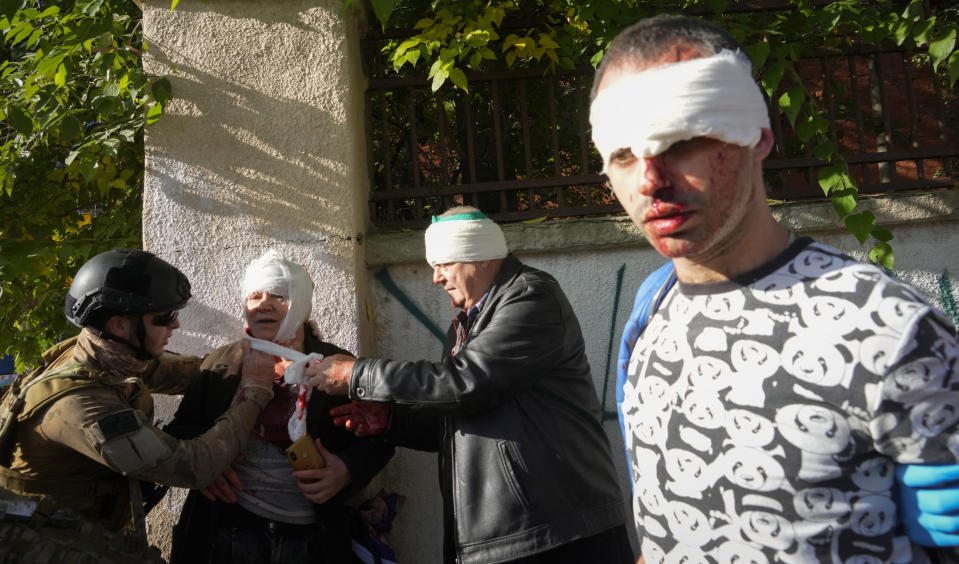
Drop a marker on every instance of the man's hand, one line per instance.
(223, 486)
(364, 418)
(257, 369)
(332, 374)
(320, 484)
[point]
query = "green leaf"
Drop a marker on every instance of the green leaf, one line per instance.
(861, 225)
(758, 53)
(477, 38)
(60, 78)
(412, 57)
(382, 9)
(105, 106)
(91, 8)
(173, 4)
(18, 120)
(882, 234)
(901, 31)
(25, 30)
(920, 32)
(435, 67)
(9, 7)
(153, 113)
(162, 91)
(547, 42)
(953, 68)
(913, 11)
(597, 58)
(824, 150)
(941, 48)
(811, 126)
(458, 78)
(791, 102)
(844, 201)
(439, 78)
(404, 47)
(536, 220)
(69, 128)
(831, 178)
(882, 255)
(34, 38)
(771, 78)
(113, 89)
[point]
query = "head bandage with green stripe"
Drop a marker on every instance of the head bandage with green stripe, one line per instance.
(464, 237)
(649, 111)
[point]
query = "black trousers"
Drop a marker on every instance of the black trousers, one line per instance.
(608, 547)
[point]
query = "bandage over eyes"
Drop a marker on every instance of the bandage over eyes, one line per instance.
(464, 237)
(649, 111)
(277, 275)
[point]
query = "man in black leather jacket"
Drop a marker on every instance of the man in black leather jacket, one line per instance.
(526, 471)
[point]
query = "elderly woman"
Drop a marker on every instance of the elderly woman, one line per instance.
(261, 510)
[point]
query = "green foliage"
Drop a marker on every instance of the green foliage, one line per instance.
(74, 104)
(452, 37)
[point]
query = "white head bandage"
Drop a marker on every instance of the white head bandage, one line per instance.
(649, 111)
(274, 274)
(464, 237)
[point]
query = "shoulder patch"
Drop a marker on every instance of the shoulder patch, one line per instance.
(118, 424)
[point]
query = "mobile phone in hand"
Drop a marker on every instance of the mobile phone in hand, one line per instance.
(303, 454)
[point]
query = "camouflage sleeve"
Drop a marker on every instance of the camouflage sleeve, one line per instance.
(104, 428)
(172, 373)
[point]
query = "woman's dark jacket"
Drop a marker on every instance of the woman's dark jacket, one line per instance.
(211, 394)
(524, 462)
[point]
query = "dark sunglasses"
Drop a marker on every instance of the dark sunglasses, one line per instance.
(164, 319)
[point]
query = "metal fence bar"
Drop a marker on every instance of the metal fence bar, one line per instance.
(527, 140)
(531, 168)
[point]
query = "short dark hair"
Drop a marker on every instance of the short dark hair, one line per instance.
(650, 38)
(456, 210)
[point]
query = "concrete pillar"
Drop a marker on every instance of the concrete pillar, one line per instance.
(262, 147)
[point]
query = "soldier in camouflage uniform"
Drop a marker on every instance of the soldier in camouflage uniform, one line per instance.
(77, 437)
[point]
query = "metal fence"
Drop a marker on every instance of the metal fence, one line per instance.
(518, 144)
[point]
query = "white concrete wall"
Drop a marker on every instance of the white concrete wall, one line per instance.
(586, 257)
(262, 147)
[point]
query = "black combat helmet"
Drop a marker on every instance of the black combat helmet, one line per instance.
(124, 282)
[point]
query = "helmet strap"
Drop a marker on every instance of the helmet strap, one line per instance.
(139, 350)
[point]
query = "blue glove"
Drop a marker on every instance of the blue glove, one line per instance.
(929, 502)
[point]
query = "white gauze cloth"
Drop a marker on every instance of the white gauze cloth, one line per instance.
(464, 237)
(293, 375)
(273, 273)
(649, 111)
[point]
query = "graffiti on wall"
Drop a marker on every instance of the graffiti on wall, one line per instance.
(383, 276)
